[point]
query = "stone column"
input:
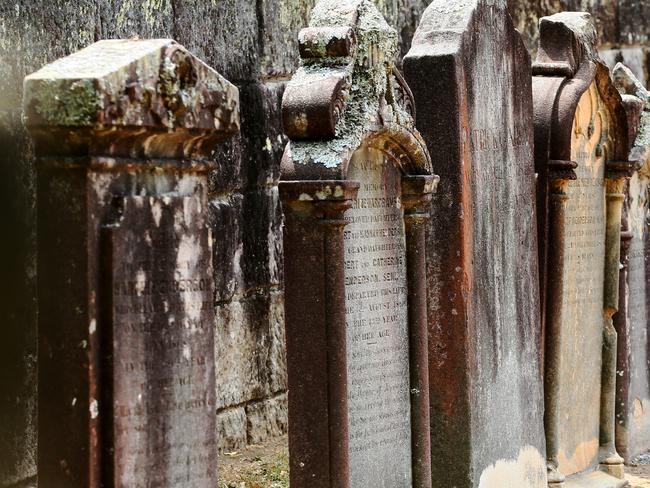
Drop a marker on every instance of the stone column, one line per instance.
(416, 194)
(559, 175)
(622, 346)
(616, 175)
(316, 330)
(124, 133)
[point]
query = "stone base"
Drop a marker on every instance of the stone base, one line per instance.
(616, 470)
(595, 479)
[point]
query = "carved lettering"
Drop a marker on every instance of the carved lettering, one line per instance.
(375, 287)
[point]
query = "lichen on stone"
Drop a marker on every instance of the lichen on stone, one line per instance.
(368, 102)
(77, 104)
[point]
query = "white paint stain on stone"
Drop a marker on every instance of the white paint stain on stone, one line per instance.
(156, 211)
(93, 408)
(140, 282)
(74, 401)
(527, 471)
(92, 327)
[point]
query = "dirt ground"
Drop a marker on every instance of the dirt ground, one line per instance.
(256, 466)
(639, 476)
(267, 466)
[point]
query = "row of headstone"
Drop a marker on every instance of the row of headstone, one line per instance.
(466, 338)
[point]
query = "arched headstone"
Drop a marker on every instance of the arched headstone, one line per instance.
(354, 181)
(631, 319)
(124, 134)
(469, 72)
(581, 160)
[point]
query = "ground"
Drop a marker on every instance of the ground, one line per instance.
(267, 466)
(256, 466)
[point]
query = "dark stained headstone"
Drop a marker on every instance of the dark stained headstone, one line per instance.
(355, 179)
(631, 320)
(124, 132)
(581, 159)
(160, 371)
(470, 75)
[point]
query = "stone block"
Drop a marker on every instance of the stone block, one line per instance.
(248, 258)
(231, 429)
(250, 349)
(267, 418)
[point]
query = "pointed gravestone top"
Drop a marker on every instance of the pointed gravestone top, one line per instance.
(347, 90)
(137, 83)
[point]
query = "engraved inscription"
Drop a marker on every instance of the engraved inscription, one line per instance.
(162, 367)
(377, 328)
(582, 300)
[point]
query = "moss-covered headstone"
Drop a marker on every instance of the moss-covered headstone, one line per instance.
(124, 134)
(355, 178)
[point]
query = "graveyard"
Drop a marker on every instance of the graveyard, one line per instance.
(325, 244)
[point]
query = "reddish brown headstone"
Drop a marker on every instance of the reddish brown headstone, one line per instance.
(355, 179)
(581, 160)
(470, 75)
(124, 132)
(631, 320)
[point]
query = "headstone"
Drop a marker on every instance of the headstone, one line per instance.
(635, 58)
(354, 181)
(470, 75)
(581, 161)
(631, 320)
(124, 132)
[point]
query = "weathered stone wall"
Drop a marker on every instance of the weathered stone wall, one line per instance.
(253, 44)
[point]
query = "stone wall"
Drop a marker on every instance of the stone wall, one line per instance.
(253, 44)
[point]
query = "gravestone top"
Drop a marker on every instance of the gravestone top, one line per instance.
(637, 101)
(131, 83)
(568, 51)
(567, 39)
(346, 92)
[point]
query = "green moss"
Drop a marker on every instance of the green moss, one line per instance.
(65, 103)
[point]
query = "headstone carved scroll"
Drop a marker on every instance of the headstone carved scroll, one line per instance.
(355, 181)
(124, 132)
(581, 160)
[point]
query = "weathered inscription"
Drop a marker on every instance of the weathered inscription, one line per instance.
(375, 288)
(162, 367)
(582, 300)
(638, 401)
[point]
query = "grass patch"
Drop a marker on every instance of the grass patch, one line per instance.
(260, 473)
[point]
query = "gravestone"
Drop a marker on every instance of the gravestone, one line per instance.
(634, 58)
(581, 161)
(124, 132)
(354, 181)
(631, 320)
(470, 75)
